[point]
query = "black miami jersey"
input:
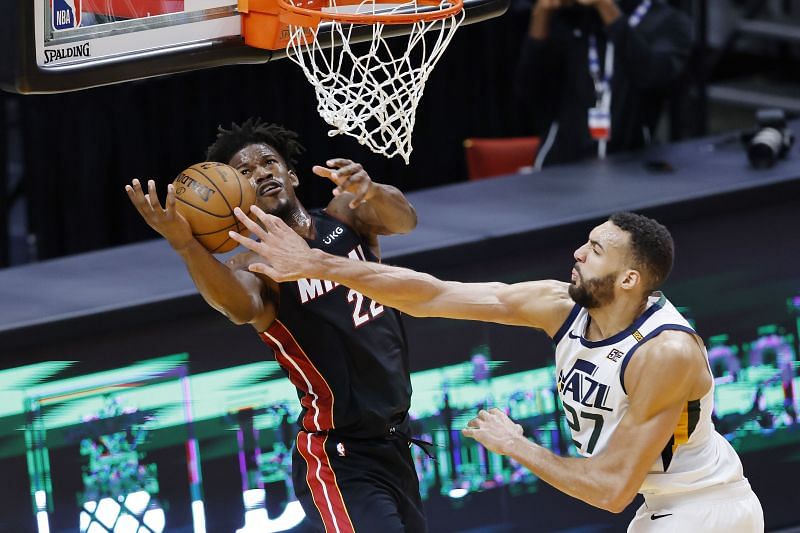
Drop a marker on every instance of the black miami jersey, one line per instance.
(345, 354)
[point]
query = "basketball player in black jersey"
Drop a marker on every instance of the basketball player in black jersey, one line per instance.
(345, 354)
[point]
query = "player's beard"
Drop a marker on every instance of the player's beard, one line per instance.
(593, 293)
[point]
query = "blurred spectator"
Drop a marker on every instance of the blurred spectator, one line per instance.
(593, 74)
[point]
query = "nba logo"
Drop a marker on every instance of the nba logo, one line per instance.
(65, 14)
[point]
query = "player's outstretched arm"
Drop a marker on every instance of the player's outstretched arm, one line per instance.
(230, 289)
(660, 379)
(540, 304)
(371, 208)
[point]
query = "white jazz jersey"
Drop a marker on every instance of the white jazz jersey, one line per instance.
(590, 383)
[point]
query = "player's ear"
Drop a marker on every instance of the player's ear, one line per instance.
(632, 279)
(295, 179)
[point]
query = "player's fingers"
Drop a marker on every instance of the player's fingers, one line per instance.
(247, 242)
(260, 214)
(250, 225)
(338, 162)
(263, 268)
(141, 201)
(340, 171)
(483, 414)
(257, 230)
(345, 184)
(152, 195)
(170, 198)
(323, 172)
(138, 201)
(342, 183)
(272, 224)
(275, 225)
(349, 169)
(361, 183)
(134, 191)
(498, 412)
(471, 432)
(350, 175)
(474, 423)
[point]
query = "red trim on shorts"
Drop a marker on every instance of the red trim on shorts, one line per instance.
(318, 397)
(322, 481)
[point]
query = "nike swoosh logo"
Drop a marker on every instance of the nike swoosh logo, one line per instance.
(572, 335)
(657, 516)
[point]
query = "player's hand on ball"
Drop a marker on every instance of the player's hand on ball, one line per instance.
(494, 430)
(165, 220)
(348, 177)
(286, 253)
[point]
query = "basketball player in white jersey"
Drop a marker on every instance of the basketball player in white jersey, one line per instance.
(633, 376)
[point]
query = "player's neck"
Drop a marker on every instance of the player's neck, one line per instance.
(614, 317)
(300, 221)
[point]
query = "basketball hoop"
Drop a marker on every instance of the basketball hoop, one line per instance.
(369, 91)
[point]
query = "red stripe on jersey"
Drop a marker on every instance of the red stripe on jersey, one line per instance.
(322, 481)
(318, 396)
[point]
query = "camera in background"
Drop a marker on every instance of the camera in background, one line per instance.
(770, 141)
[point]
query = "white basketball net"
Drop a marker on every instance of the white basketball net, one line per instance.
(372, 93)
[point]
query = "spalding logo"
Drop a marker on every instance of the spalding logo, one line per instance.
(201, 190)
(57, 54)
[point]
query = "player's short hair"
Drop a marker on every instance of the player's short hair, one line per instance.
(652, 247)
(254, 131)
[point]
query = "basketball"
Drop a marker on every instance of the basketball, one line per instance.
(206, 194)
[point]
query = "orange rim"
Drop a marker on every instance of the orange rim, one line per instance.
(310, 16)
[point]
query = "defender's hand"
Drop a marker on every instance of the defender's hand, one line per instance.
(165, 220)
(348, 177)
(494, 430)
(286, 253)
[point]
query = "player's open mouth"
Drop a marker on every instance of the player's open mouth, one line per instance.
(269, 188)
(574, 276)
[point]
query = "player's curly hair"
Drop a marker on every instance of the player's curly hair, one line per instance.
(254, 131)
(651, 245)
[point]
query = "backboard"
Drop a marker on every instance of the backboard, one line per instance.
(65, 45)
